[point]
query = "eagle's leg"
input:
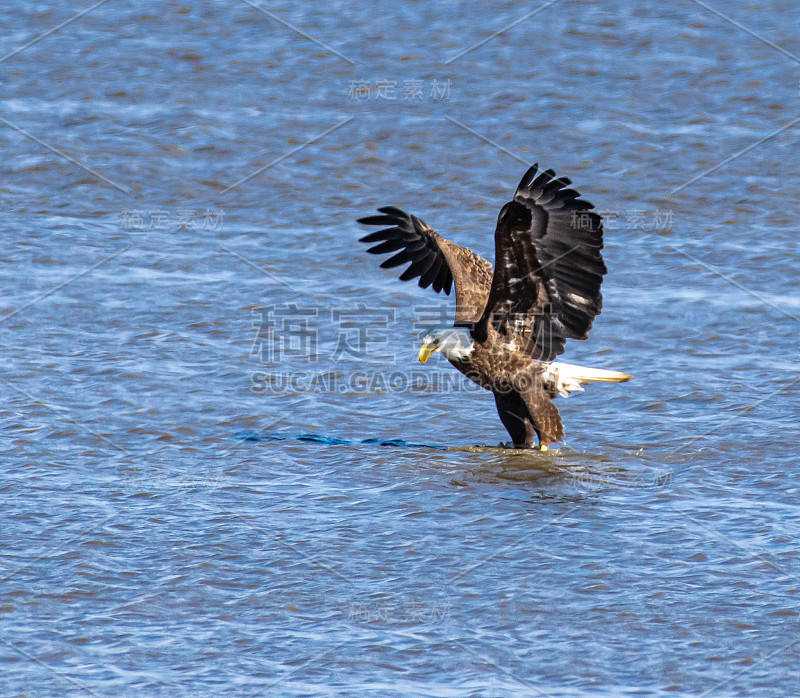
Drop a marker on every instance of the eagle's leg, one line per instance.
(516, 419)
(544, 416)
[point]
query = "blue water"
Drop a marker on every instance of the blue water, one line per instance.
(225, 471)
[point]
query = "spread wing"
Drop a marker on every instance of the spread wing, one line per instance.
(436, 261)
(548, 266)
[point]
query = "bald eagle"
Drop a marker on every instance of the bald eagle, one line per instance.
(513, 320)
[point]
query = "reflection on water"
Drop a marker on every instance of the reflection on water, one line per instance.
(177, 177)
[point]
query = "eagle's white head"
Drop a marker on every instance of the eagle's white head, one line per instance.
(455, 343)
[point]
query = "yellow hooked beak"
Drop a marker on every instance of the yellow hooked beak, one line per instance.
(425, 352)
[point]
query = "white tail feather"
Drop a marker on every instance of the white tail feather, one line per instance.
(568, 378)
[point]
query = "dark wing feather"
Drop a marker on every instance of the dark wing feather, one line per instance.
(436, 261)
(548, 266)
